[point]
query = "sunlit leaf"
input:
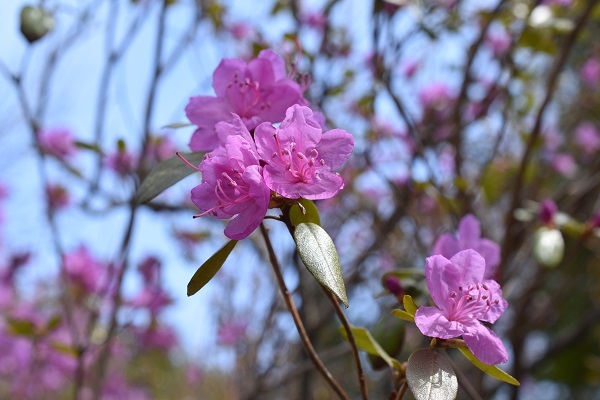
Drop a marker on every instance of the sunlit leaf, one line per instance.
(409, 304)
(365, 341)
(403, 315)
(319, 255)
(21, 327)
(307, 213)
(165, 174)
(491, 370)
(430, 376)
(210, 267)
(177, 125)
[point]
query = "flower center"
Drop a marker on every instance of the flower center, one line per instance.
(249, 92)
(299, 166)
(471, 302)
(229, 193)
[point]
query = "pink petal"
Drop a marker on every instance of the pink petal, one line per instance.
(205, 112)
(277, 99)
(261, 71)
(265, 142)
(486, 346)
(236, 128)
(469, 231)
(446, 245)
(491, 252)
(496, 310)
(335, 147)
(442, 278)
(225, 72)
(433, 323)
(299, 126)
(471, 266)
(277, 63)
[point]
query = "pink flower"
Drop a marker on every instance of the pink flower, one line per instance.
(469, 237)
(83, 269)
(57, 142)
(232, 182)
(590, 72)
(409, 67)
(231, 333)
(564, 164)
(314, 19)
(58, 196)
(547, 210)
(463, 299)
(153, 299)
(160, 148)
(240, 30)
(122, 162)
(256, 91)
(300, 158)
(498, 42)
(587, 138)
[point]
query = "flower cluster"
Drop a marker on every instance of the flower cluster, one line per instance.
(251, 160)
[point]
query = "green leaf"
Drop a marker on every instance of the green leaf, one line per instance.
(210, 267)
(403, 315)
(365, 341)
(491, 370)
(548, 247)
(409, 304)
(389, 333)
(430, 376)
(65, 349)
(319, 255)
(89, 146)
(21, 327)
(177, 125)
(164, 175)
(309, 213)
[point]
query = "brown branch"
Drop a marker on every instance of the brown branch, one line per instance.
(287, 297)
(340, 313)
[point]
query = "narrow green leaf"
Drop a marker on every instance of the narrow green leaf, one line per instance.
(309, 213)
(177, 125)
(430, 376)
(409, 304)
(210, 267)
(365, 341)
(319, 255)
(166, 174)
(21, 327)
(65, 349)
(89, 146)
(491, 370)
(403, 315)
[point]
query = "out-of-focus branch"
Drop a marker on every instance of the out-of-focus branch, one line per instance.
(297, 321)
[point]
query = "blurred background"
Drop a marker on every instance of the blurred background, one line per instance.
(457, 107)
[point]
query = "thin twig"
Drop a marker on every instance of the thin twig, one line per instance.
(340, 313)
(297, 321)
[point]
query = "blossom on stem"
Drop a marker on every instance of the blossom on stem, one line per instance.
(232, 183)
(469, 237)
(463, 298)
(256, 91)
(300, 157)
(57, 142)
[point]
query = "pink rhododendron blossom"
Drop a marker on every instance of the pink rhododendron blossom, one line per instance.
(314, 19)
(153, 299)
(83, 269)
(587, 137)
(590, 72)
(160, 148)
(547, 210)
(464, 298)
(122, 162)
(564, 164)
(58, 196)
(240, 30)
(58, 142)
(230, 333)
(300, 158)
(256, 91)
(498, 42)
(232, 183)
(469, 237)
